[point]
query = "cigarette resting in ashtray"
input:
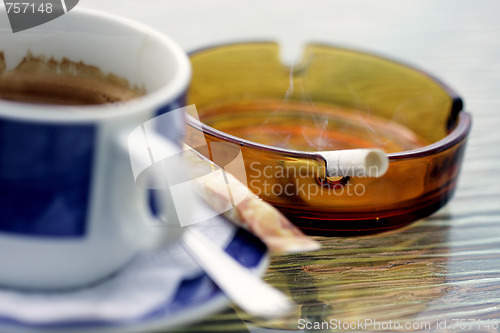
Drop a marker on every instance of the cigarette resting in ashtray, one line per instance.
(251, 213)
(356, 162)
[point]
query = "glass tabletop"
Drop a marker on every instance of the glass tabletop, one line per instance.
(442, 272)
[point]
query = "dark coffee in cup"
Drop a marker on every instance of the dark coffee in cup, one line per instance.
(65, 82)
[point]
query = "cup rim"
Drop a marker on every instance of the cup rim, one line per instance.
(89, 113)
(459, 121)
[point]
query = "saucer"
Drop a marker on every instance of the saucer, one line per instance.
(195, 295)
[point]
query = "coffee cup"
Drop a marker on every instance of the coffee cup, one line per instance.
(75, 88)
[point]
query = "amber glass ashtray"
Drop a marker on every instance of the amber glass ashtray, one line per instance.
(283, 119)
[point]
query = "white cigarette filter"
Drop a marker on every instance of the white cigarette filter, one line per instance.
(356, 162)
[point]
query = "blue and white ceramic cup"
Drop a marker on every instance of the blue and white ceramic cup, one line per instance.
(70, 209)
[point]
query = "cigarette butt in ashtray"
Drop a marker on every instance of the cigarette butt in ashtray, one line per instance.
(356, 162)
(251, 213)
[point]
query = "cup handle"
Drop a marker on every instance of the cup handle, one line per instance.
(157, 165)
